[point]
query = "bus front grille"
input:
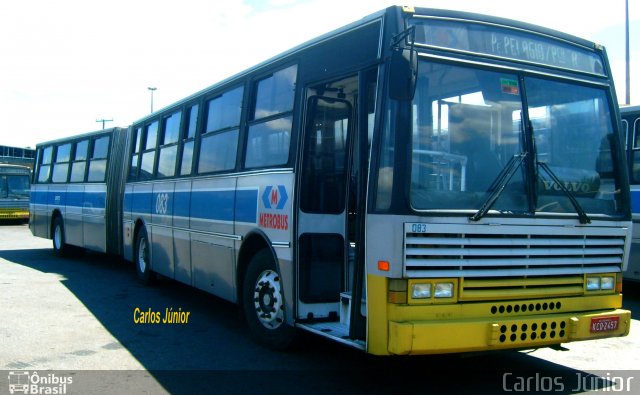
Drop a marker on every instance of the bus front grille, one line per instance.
(497, 262)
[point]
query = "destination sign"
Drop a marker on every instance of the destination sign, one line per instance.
(506, 43)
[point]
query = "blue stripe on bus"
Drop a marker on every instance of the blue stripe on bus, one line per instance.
(95, 199)
(220, 205)
(635, 202)
(141, 202)
(70, 199)
(38, 197)
(181, 203)
(247, 205)
(215, 205)
(75, 199)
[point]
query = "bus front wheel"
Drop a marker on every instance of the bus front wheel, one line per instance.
(143, 258)
(263, 303)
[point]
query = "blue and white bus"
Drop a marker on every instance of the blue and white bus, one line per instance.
(76, 195)
(630, 118)
(420, 181)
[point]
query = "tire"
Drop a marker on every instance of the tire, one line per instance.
(142, 258)
(60, 247)
(263, 304)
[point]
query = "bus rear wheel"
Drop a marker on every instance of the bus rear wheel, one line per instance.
(263, 303)
(143, 258)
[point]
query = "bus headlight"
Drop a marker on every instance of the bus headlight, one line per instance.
(607, 283)
(421, 291)
(593, 283)
(444, 290)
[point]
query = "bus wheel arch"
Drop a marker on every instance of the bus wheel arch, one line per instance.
(58, 238)
(142, 254)
(261, 295)
(253, 243)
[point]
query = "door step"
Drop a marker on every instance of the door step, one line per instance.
(334, 330)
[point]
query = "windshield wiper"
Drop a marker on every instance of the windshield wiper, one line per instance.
(498, 185)
(582, 215)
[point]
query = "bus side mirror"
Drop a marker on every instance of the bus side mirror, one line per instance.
(403, 73)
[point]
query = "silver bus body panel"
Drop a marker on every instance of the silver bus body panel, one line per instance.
(39, 219)
(213, 263)
(182, 269)
(93, 213)
(633, 268)
(197, 227)
(74, 220)
(274, 220)
(456, 247)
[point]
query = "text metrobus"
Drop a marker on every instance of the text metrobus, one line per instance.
(420, 181)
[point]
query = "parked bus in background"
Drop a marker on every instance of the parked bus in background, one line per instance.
(77, 192)
(14, 192)
(630, 116)
(420, 181)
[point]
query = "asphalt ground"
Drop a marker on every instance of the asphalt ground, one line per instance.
(70, 325)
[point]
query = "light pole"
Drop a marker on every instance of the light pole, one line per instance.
(104, 121)
(152, 89)
(626, 34)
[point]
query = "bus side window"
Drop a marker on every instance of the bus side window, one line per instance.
(79, 164)
(98, 161)
(135, 156)
(169, 148)
(635, 150)
(188, 141)
(219, 143)
(149, 152)
(269, 135)
(45, 166)
(61, 165)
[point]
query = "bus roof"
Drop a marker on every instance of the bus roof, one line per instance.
(389, 11)
(629, 109)
(463, 15)
(79, 136)
(7, 166)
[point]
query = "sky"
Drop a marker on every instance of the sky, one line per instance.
(65, 64)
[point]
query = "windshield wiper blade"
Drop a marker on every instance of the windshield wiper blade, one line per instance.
(582, 215)
(499, 184)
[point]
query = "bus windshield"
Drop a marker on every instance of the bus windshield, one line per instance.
(467, 125)
(14, 186)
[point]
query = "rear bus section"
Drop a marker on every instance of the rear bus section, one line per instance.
(76, 192)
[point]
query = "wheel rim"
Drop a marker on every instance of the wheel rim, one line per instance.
(267, 300)
(142, 255)
(57, 237)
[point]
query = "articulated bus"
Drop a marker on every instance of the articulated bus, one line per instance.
(14, 192)
(631, 128)
(420, 181)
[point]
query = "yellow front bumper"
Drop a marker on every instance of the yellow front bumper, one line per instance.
(483, 334)
(14, 214)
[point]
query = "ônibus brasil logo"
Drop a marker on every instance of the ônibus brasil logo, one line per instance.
(34, 383)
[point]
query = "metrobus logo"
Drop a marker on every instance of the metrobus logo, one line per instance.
(274, 197)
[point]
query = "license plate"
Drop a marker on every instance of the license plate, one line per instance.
(604, 324)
